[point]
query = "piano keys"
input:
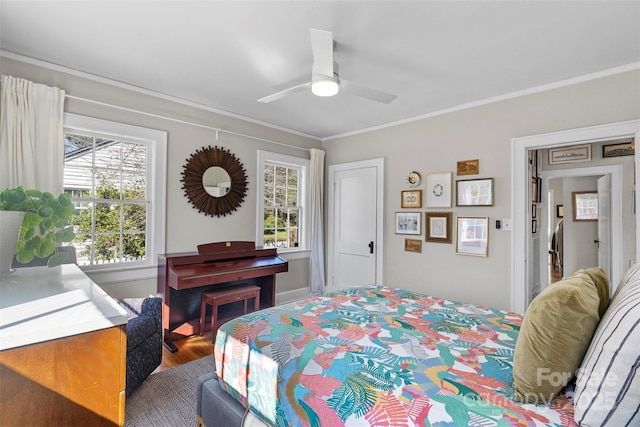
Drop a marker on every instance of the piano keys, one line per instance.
(182, 277)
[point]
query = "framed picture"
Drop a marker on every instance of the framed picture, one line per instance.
(534, 226)
(534, 190)
(408, 223)
(474, 192)
(439, 190)
(438, 227)
(411, 199)
(620, 149)
(585, 205)
(534, 211)
(468, 167)
(575, 153)
(559, 211)
(413, 245)
(472, 236)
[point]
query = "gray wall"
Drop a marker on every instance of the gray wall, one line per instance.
(430, 145)
(579, 251)
(435, 144)
(186, 227)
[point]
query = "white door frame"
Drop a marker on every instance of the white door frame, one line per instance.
(379, 245)
(616, 217)
(520, 191)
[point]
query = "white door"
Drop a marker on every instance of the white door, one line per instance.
(604, 224)
(355, 224)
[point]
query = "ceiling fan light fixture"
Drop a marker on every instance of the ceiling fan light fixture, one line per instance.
(324, 86)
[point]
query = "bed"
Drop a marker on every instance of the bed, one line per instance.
(376, 356)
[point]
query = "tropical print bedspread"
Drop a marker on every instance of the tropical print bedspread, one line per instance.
(376, 356)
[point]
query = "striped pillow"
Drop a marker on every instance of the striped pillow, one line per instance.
(607, 389)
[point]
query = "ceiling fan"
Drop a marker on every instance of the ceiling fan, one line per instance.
(325, 80)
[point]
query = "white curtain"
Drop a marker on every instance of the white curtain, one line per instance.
(31, 135)
(316, 260)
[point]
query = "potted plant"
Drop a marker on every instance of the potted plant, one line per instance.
(44, 226)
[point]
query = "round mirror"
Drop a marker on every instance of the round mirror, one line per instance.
(214, 181)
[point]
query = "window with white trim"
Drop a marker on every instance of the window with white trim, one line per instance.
(115, 175)
(282, 202)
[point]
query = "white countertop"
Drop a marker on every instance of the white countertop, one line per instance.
(39, 304)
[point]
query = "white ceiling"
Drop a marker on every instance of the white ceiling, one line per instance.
(433, 55)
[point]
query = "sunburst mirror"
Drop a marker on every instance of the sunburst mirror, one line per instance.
(214, 181)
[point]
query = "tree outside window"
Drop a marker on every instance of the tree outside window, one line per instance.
(281, 206)
(106, 179)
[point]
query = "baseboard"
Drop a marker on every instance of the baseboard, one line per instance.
(291, 296)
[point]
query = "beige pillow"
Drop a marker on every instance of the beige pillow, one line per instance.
(555, 334)
(600, 280)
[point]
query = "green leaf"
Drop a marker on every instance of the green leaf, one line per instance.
(15, 196)
(65, 235)
(68, 211)
(45, 212)
(57, 259)
(47, 197)
(25, 256)
(57, 207)
(29, 233)
(31, 220)
(32, 243)
(46, 248)
(64, 200)
(33, 193)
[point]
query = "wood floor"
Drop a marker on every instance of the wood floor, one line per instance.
(189, 349)
(554, 272)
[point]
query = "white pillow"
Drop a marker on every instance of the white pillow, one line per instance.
(607, 389)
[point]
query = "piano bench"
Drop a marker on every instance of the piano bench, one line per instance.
(219, 297)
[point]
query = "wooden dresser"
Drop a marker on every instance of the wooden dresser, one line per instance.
(62, 350)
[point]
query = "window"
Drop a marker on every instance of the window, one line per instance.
(282, 202)
(114, 174)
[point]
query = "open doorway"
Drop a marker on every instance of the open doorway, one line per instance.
(523, 254)
(575, 243)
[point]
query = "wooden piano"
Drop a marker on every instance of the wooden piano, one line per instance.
(182, 277)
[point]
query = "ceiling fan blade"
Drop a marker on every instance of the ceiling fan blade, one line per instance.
(286, 92)
(365, 92)
(322, 48)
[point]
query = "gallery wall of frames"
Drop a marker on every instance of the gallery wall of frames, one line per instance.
(428, 203)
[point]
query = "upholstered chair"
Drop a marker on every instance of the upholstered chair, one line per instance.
(144, 338)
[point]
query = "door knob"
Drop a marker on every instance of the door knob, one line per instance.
(370, 247)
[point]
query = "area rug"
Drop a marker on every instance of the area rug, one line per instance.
(167, 398)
